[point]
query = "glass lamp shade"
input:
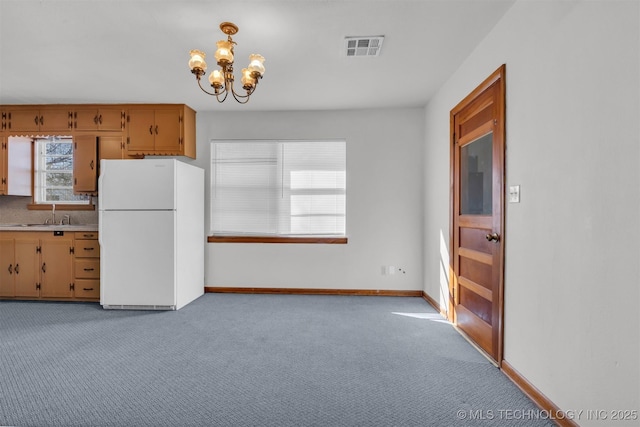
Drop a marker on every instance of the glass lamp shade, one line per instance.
(223, 53)
(216, 79)
(247, 80)
(256, 63)
(197, 60)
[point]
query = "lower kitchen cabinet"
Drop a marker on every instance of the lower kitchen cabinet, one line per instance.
(20, 269)
(87, 266)
(57, 267)
(41, 265)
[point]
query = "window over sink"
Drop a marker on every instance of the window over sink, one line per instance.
(53, 172)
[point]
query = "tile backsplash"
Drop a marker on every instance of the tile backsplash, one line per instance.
(13, 210)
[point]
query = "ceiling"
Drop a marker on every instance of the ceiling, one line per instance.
(136, 51)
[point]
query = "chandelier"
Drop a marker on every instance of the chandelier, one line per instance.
(222, 80)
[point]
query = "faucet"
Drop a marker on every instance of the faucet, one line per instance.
(66, 218)
(53, 215)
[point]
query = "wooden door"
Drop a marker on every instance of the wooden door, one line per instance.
(113, 147)
(27, 267)
(141, 131)
(7, 267)
(24, 120)
(4, 165)
(111, 119)
(57, 267)
(168, 132)
(55, 120)
(85, 119)
(85, 164)
(477, 241)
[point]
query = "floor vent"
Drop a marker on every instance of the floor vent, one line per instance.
(363, 46)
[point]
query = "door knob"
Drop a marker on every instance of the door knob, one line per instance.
(494, 237)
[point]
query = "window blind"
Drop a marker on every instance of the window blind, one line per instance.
(282, 188)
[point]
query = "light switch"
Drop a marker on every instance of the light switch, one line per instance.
(514, 194)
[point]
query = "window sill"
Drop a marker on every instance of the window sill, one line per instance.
(277, 239)
(60, 207)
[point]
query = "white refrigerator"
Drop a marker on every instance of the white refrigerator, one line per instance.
(151, 233)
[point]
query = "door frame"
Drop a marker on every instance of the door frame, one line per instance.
(498, 76)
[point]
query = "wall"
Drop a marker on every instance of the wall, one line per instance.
(571, 275)
(13, 210)
(384, 204)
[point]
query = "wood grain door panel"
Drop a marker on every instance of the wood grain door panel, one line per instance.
(477, 214)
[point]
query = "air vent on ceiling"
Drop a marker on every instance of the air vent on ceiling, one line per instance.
(363, 46)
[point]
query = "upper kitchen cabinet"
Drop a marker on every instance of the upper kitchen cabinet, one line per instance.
(29, 119)
(161, 130)
(15, 166)
(85, 164)
(98, 119)
(4, 153)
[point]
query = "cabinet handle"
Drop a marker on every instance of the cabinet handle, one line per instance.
(88, 269)
(41, 120)
(88, 249)
(10, 268)
(156, 129)
(17, 269)
(91, 165)
(35, 120)
(151, 130)
(95, 119)
(44, 267)
(100, 119)
(87, 289)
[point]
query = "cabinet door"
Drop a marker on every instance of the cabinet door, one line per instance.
(57, 267)
(55, 120)
(85, 164)
(168, 132)
(111, 147)
(27, 267)
(141, 131)
(111, 119)
(24, 120)
(85, 119)
(3, 165)
(7, 268)
(19, 166)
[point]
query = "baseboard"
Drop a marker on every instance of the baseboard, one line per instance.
(313, 291)
(554, 413)
(434, 304)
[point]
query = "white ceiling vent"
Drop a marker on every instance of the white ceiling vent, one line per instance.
(363, 46)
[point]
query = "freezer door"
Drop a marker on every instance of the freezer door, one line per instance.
(137, 184)
(137, 259)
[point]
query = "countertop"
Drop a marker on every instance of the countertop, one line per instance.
(48, 227)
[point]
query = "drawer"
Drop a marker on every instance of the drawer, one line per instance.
(87, 268)
(87, 249)
(83, 235)
(87, 288)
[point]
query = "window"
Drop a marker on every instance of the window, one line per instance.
(53, 166)
(278, 188)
